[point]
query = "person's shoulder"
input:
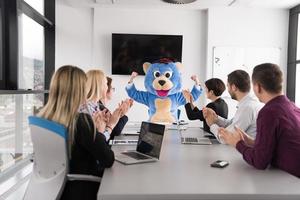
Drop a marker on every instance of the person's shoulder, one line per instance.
(220, 101)
(253, 103)
(84, 118)
(270, 112)
(84, 124)
(212, 105)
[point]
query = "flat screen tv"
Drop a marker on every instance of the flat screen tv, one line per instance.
(130, 51)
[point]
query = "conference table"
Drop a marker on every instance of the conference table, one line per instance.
(184, 172)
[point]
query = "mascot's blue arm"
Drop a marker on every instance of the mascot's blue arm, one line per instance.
(139, 96)
(196, 92)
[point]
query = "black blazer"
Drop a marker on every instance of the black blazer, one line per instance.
(219, 106)
(117, 130)
(90, 155)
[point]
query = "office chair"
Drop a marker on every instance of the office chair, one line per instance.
(51, 162)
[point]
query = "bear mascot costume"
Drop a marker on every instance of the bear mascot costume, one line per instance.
(164, 90)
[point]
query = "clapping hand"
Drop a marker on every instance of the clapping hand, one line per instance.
(125, 106)
(100, 119)
(246, 138)
(210, 116)
(114, 118)
(231, 138)
(187, 95)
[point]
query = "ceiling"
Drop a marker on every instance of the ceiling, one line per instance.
(199, 4)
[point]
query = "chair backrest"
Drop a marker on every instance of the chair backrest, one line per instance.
(50, 159)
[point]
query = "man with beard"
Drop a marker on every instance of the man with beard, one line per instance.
(278, 125)
(238, 86)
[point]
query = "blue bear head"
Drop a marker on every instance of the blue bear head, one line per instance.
(163, 78)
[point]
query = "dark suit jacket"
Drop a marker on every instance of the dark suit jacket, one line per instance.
(219, 106)
(90, 155)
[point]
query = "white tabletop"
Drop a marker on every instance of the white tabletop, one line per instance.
(184, 172)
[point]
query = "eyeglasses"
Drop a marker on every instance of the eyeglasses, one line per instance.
(113, 89)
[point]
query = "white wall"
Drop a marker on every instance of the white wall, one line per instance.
(83, 37)
(190, 24)
(247, 27)
(73, 35)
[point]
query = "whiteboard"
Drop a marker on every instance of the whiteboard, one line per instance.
(228, 59)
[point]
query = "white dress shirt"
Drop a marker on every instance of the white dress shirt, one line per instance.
(244, 117)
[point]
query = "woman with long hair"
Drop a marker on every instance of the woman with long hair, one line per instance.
(97, 87)
(88, 150)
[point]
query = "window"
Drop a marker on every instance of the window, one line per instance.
(38, 5)
(298, 41)
(31, 52)
(297, 85)
(29, 39)
(1, 45)
(293, 69)
(27, 44)
(15, 139)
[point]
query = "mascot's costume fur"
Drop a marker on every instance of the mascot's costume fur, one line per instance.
(163, 96)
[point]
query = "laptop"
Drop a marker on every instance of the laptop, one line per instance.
(195, 140)
(189, 139)
(148, 146)
(207, 134)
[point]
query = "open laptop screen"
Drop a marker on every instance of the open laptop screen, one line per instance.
(150, 139)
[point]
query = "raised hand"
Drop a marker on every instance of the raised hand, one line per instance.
(133, 75)
(196, 79)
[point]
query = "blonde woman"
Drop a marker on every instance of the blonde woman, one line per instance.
(89, 153)
(97, 87)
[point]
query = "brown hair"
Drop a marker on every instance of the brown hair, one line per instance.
(269, 76)
(216, 85)
(240, 79)
(109, 81)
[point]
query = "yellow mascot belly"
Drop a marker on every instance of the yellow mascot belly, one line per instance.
(163, 111)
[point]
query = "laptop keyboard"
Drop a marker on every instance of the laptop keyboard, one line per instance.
(135, 155)
(191, 139)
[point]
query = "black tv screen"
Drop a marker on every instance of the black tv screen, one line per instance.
(130, 51)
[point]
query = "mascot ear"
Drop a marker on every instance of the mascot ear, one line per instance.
(146, 66)
(179, 66)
